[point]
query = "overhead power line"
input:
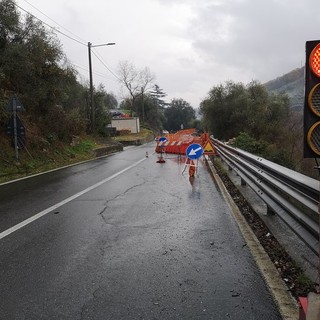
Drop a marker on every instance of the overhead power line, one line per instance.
(57, 30)
(82, 42)
(104, 64)
(54, 21)
(87, 70)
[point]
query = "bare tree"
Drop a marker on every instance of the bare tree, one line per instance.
(137, 81)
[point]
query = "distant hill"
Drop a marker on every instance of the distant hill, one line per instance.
(291, 83)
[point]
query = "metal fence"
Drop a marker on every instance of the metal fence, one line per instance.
(294, 197)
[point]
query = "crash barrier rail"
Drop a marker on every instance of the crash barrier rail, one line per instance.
(294, 197)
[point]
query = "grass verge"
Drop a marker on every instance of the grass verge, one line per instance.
(36, 160)
(47, 155)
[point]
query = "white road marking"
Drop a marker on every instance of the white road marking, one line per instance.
(61, 203)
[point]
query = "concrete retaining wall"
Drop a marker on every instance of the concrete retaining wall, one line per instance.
(102, 151)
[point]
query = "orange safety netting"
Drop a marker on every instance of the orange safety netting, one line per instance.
(178, 142)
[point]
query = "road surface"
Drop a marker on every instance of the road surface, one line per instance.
(125, 237)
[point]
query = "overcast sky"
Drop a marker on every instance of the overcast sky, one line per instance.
(189, 45)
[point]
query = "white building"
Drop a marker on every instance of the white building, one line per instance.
(130, 123)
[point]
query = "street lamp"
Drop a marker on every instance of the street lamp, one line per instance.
(91, 82)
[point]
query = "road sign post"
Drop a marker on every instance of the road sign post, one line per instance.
(15, 134)
(193, 152)
(161, 143)
(15, 106)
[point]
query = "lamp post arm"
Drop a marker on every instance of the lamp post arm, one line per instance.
(102, 45)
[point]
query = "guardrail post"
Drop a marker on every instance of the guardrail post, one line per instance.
(243, 182)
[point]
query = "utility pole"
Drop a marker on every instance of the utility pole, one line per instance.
(91, 103)
(142, 100)
(92, 108)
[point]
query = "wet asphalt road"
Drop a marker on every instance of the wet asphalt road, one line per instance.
(145, 244)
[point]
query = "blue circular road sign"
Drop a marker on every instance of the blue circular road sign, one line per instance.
(162, 139)
(194, 151)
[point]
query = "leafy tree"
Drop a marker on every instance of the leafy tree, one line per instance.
(9, 26)
(103, 116)
(224, 111)
(110, 101)
(179, 114)
(233, 108)
(31, 63)
(33, 66)
(74, 94)
(260, 121)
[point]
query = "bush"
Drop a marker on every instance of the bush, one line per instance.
(75, 122)
(59, 125)
(280, 156)
(261, 148)
(245, 142)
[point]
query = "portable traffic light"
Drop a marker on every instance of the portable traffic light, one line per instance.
(312, 101)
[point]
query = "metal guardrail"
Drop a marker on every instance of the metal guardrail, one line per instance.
(294, 197)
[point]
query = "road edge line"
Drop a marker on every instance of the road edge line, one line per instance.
(38, 215)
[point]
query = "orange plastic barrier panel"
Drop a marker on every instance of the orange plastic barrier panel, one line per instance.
(177, 143)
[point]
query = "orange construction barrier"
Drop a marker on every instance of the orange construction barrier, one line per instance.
(178, 142)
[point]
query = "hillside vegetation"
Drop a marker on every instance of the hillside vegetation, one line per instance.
(259, 120)
(292, 84)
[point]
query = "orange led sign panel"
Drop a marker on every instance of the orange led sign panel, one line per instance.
(314, 60)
